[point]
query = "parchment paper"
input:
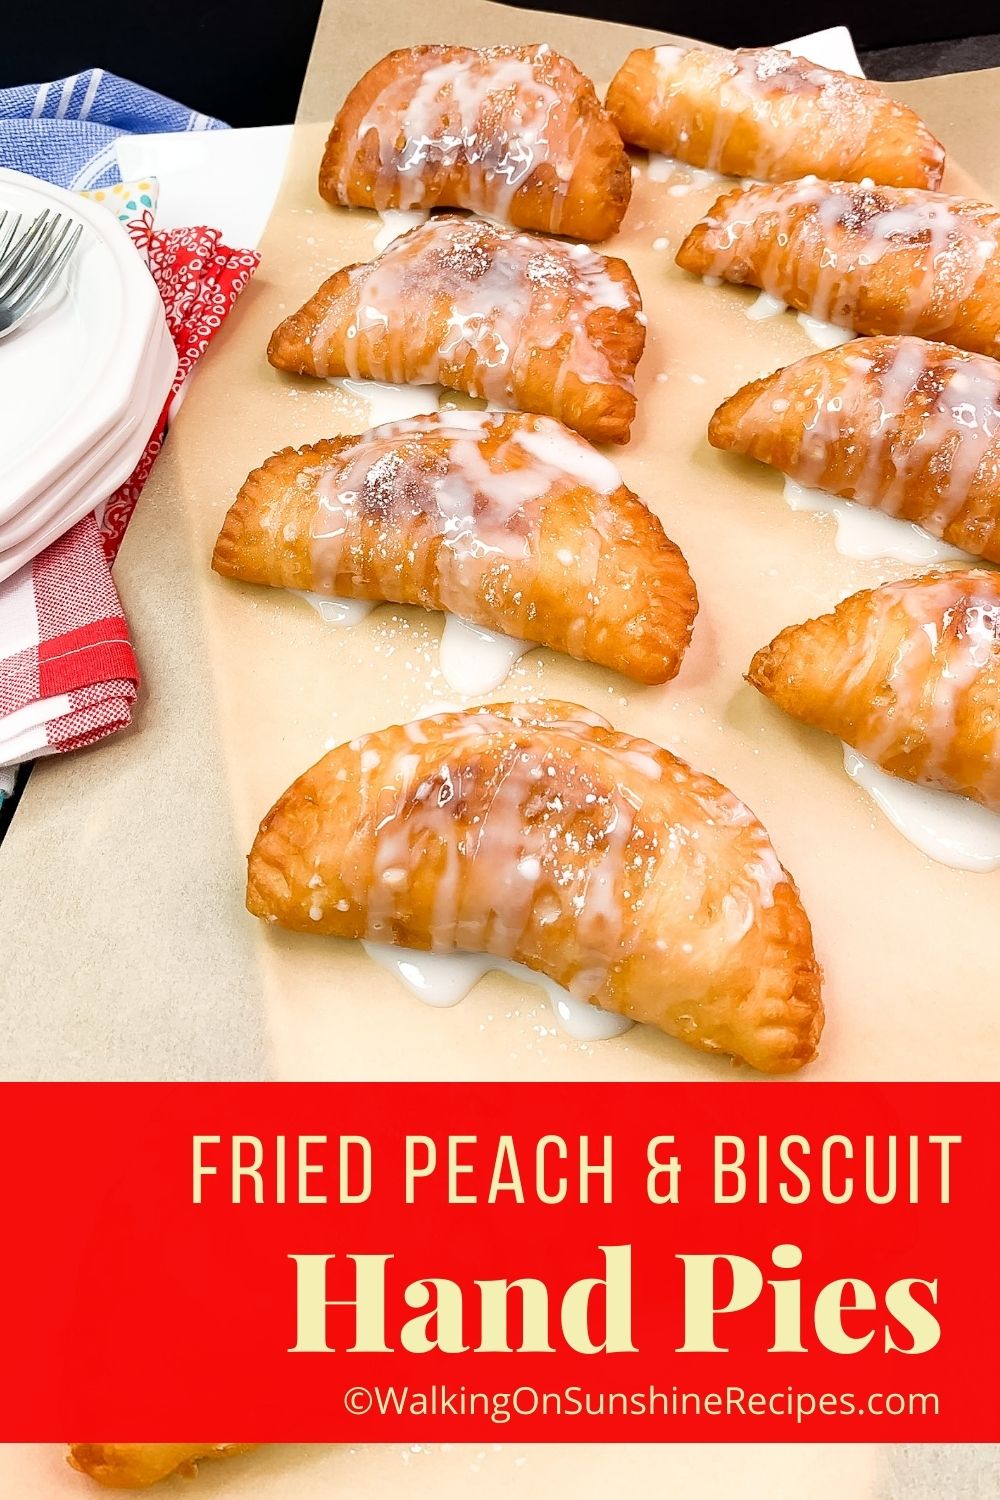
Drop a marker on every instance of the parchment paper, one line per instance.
(683, 1471)
(496, 1471)
(128, 950)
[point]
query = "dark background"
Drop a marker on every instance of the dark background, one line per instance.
(244, 61)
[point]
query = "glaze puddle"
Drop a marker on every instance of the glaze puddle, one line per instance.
(390, 403)
(397, 221)
(764, 306)
(398, 403)
(336, 611)
(949, 829)
(824, 335)
(865, 534)
(475, 660)
(445, 979)
(683, 179)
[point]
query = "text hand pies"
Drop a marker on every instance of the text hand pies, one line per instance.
(908, 674)
(133, 1466)
(535, 832)
(903, 426)
(514, 132)
(876, 260)
(533, 323)
(510, 521)
(764, 113)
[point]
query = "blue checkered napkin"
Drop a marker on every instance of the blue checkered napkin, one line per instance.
(66, 131)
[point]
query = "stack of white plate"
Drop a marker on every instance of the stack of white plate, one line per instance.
(82, 380)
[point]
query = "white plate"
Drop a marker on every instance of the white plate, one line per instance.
(107, 466)
(124, 438)
(68, 374)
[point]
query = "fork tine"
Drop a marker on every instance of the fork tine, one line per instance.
(37, 269)
(25, 250)
(43, 281)
(20, 266)
(34, 229)
(36, 225)
(57, 238)
(22, 245)
(8, 231)
(54, 266)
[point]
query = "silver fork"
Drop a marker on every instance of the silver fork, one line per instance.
(30, 265)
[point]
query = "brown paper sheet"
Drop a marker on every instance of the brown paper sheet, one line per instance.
(129, 954)
(126, 949)
(500, 1470)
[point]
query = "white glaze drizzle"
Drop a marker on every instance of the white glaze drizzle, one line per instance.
(445, 979)
(787, 105)
(447, 477)
(901, 426)
(510, 294)
(523, 829)
(822, 240)
(952, 830)
(950, 644)
(491, 114)
(865, 533)
(533, 879)
(558, 451)
(478, 501)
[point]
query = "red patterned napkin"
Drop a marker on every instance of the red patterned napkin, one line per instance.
(68, 673)
(199, 279)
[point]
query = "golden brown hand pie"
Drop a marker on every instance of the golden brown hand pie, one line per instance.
(507, 520)
(133, 1466)
(908, 674)
(878, 260)
(903, 426)
(536, 833)
(514, 132)
(524, 321)
(762, 112)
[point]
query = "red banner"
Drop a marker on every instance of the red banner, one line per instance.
(371, 1263)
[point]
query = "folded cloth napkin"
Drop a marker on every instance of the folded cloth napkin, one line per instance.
(66, 131)
(68, 673)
